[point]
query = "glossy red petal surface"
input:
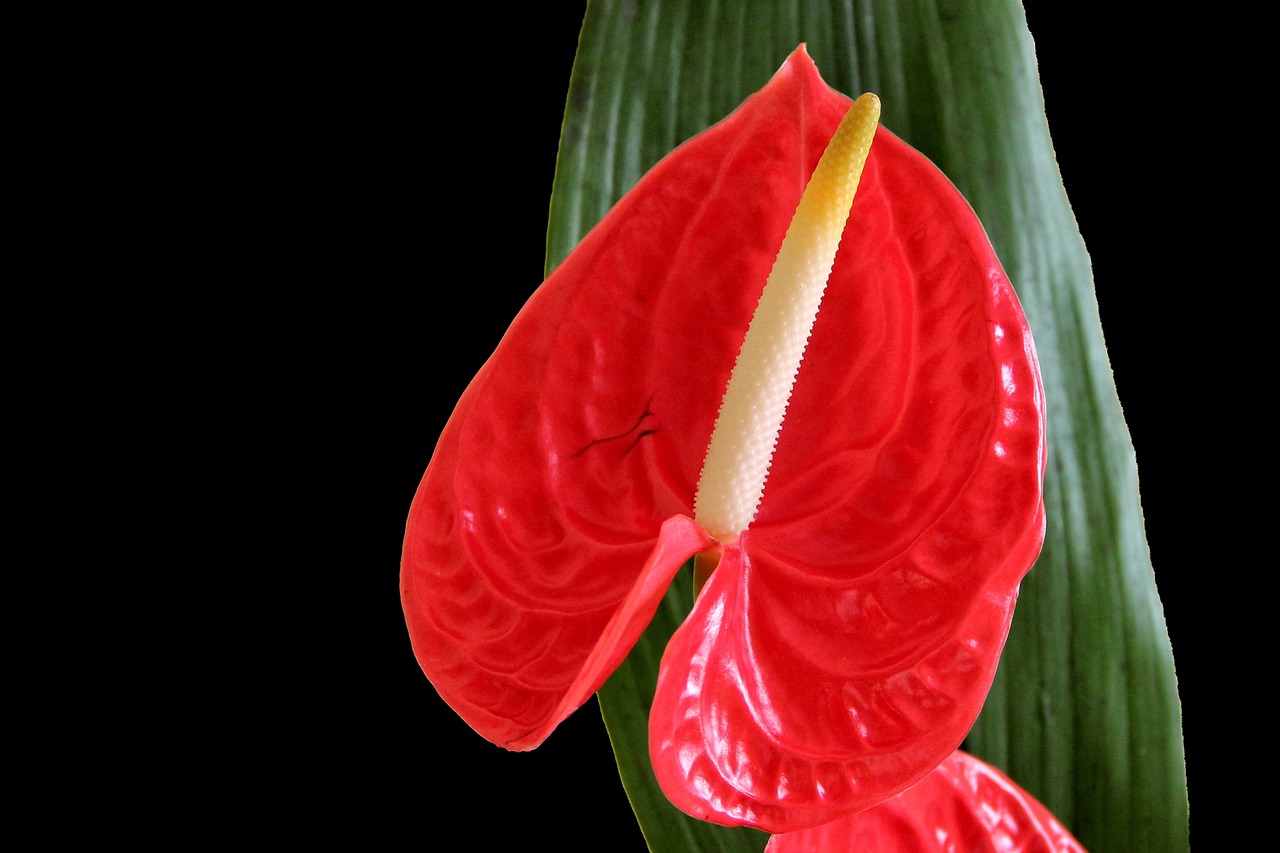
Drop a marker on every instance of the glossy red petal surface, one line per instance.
(847, 641)
(963, 806)
(587, 427)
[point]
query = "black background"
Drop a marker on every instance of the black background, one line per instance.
(409, 296)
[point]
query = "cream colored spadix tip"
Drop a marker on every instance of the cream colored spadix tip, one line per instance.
(755, 401)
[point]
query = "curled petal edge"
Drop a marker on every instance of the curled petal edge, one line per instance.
(679, 539)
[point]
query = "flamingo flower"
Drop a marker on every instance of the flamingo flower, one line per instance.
(855, 459)
(963, 806)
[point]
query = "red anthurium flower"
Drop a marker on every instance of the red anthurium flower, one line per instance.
(849, 632)
(963, 806)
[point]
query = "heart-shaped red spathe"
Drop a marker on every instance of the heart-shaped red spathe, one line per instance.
(963, 805)
(847, 640)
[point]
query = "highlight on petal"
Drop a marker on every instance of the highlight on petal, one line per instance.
(963, 805)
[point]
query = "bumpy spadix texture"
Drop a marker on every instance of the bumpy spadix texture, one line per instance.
(755, 403)
(963, 806)
(847, 639)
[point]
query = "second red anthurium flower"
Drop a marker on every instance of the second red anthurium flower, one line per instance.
(847, 637)
(963, 806)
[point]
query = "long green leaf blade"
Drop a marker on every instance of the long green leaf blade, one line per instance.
(1084, 713)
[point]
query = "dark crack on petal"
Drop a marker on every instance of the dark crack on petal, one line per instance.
(647, 413)
(632, 445)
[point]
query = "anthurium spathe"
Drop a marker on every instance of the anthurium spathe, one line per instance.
(848, 634)
(964, 806)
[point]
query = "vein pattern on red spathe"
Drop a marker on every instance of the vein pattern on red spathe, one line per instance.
(847, 640)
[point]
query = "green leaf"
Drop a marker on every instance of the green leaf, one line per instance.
(1084, 712)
